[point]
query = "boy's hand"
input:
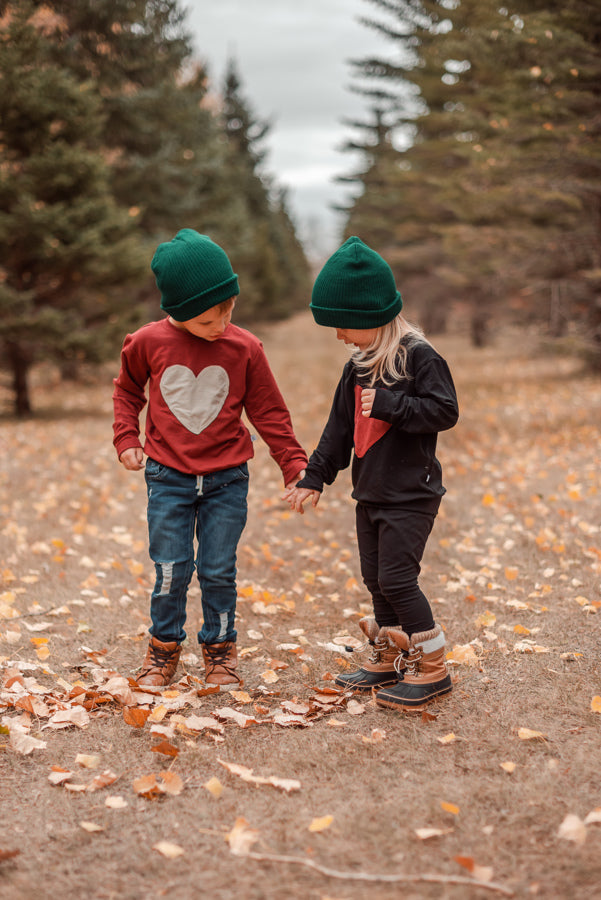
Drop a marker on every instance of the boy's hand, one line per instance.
(297, 496)
(367, 401)
(132, 458)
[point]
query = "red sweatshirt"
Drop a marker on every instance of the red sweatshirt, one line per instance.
(197, 391)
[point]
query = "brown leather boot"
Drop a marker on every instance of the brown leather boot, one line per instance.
(380, 669)
(221, 661)
(425, 676)
(160, 663)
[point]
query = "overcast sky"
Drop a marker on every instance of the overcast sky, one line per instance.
(292, 58)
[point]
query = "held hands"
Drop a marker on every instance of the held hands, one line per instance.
(297, 496)
(132, 458)
(367, 401)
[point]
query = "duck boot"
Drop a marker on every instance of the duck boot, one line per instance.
(159, 664)
(380, 669)
(221, 661)
(425, 676)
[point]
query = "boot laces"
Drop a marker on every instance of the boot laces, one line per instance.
(159, 657)
(412, 660)
(218, 656)
(378, 647)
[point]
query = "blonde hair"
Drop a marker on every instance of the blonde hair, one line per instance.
(385, 359)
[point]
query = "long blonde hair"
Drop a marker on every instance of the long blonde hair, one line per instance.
(385, 359)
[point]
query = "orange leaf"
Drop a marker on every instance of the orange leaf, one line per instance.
(165, 748)
(135, 717)
(466, 861)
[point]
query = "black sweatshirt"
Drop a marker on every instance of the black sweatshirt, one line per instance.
(394, 459)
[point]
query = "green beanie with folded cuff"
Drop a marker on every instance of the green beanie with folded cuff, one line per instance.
(193, 274)
(355, 289)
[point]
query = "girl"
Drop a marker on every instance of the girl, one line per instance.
(395, 394)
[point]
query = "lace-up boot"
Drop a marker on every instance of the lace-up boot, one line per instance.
(380, 669)
(221, 661)
(425, 676)
(160, 663)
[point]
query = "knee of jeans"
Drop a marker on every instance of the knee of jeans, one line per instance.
(171, 575)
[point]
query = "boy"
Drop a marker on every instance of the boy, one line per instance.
(202, 372)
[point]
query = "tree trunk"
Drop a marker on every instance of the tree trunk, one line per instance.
(19, 363)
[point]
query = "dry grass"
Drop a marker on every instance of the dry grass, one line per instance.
(515, 556)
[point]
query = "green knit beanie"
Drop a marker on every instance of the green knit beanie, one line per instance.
(355, 289)
(193, 274)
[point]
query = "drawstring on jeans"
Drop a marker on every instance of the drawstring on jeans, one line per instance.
(199, 481)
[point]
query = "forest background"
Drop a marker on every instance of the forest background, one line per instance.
(479, 181)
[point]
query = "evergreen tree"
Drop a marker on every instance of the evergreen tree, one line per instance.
(62, 237)
(501, 184)
(254, 223)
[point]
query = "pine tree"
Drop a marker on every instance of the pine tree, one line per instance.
(62, 237)
(501, 183)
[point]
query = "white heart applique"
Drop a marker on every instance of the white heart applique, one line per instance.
(195, 400)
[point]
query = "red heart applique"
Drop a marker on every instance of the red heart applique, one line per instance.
(367, 430)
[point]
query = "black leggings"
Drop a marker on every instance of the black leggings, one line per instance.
(391, 545)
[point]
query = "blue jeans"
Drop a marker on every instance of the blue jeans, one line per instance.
(213, 508)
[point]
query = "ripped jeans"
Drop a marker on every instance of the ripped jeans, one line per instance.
(213, 509)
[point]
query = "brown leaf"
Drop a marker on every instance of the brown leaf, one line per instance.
(165, 748)
(134, 716)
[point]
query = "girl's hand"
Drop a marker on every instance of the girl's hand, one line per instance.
(297, 496)
(132, 458)
(367, 401)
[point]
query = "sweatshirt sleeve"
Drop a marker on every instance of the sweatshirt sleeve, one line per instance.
(129, 397)
(333, 452)
(432, 407)
(269, 414)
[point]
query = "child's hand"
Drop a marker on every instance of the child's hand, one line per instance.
(297, 496)
(367, 401)
(132, 458)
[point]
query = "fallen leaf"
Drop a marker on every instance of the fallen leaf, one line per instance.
(214, 787)
(246, 774)
(165, 748)
(168, 850)
(320, 824)
(596, 704)
(508, 767)
(91, 827)
(241, 837)
(527, 734)
(24, 743)
(450, 808)
(572, 829)
(59, 776)
(115, 802)
(135, 717)
(87, 761)
(425, 834)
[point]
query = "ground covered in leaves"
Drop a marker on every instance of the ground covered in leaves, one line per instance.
(286, 787)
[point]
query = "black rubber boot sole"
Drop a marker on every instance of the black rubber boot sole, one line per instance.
(362, 680)
(403, 696)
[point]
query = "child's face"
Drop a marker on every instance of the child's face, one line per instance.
(210, 324)
(360, 337)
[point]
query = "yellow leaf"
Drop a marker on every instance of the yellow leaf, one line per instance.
(321, 824)
(488, 500)
(596, 704)
(521, 629)
(450, 808)
(447, 739)
(511, 573)
(526, 734)
(214, 787)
